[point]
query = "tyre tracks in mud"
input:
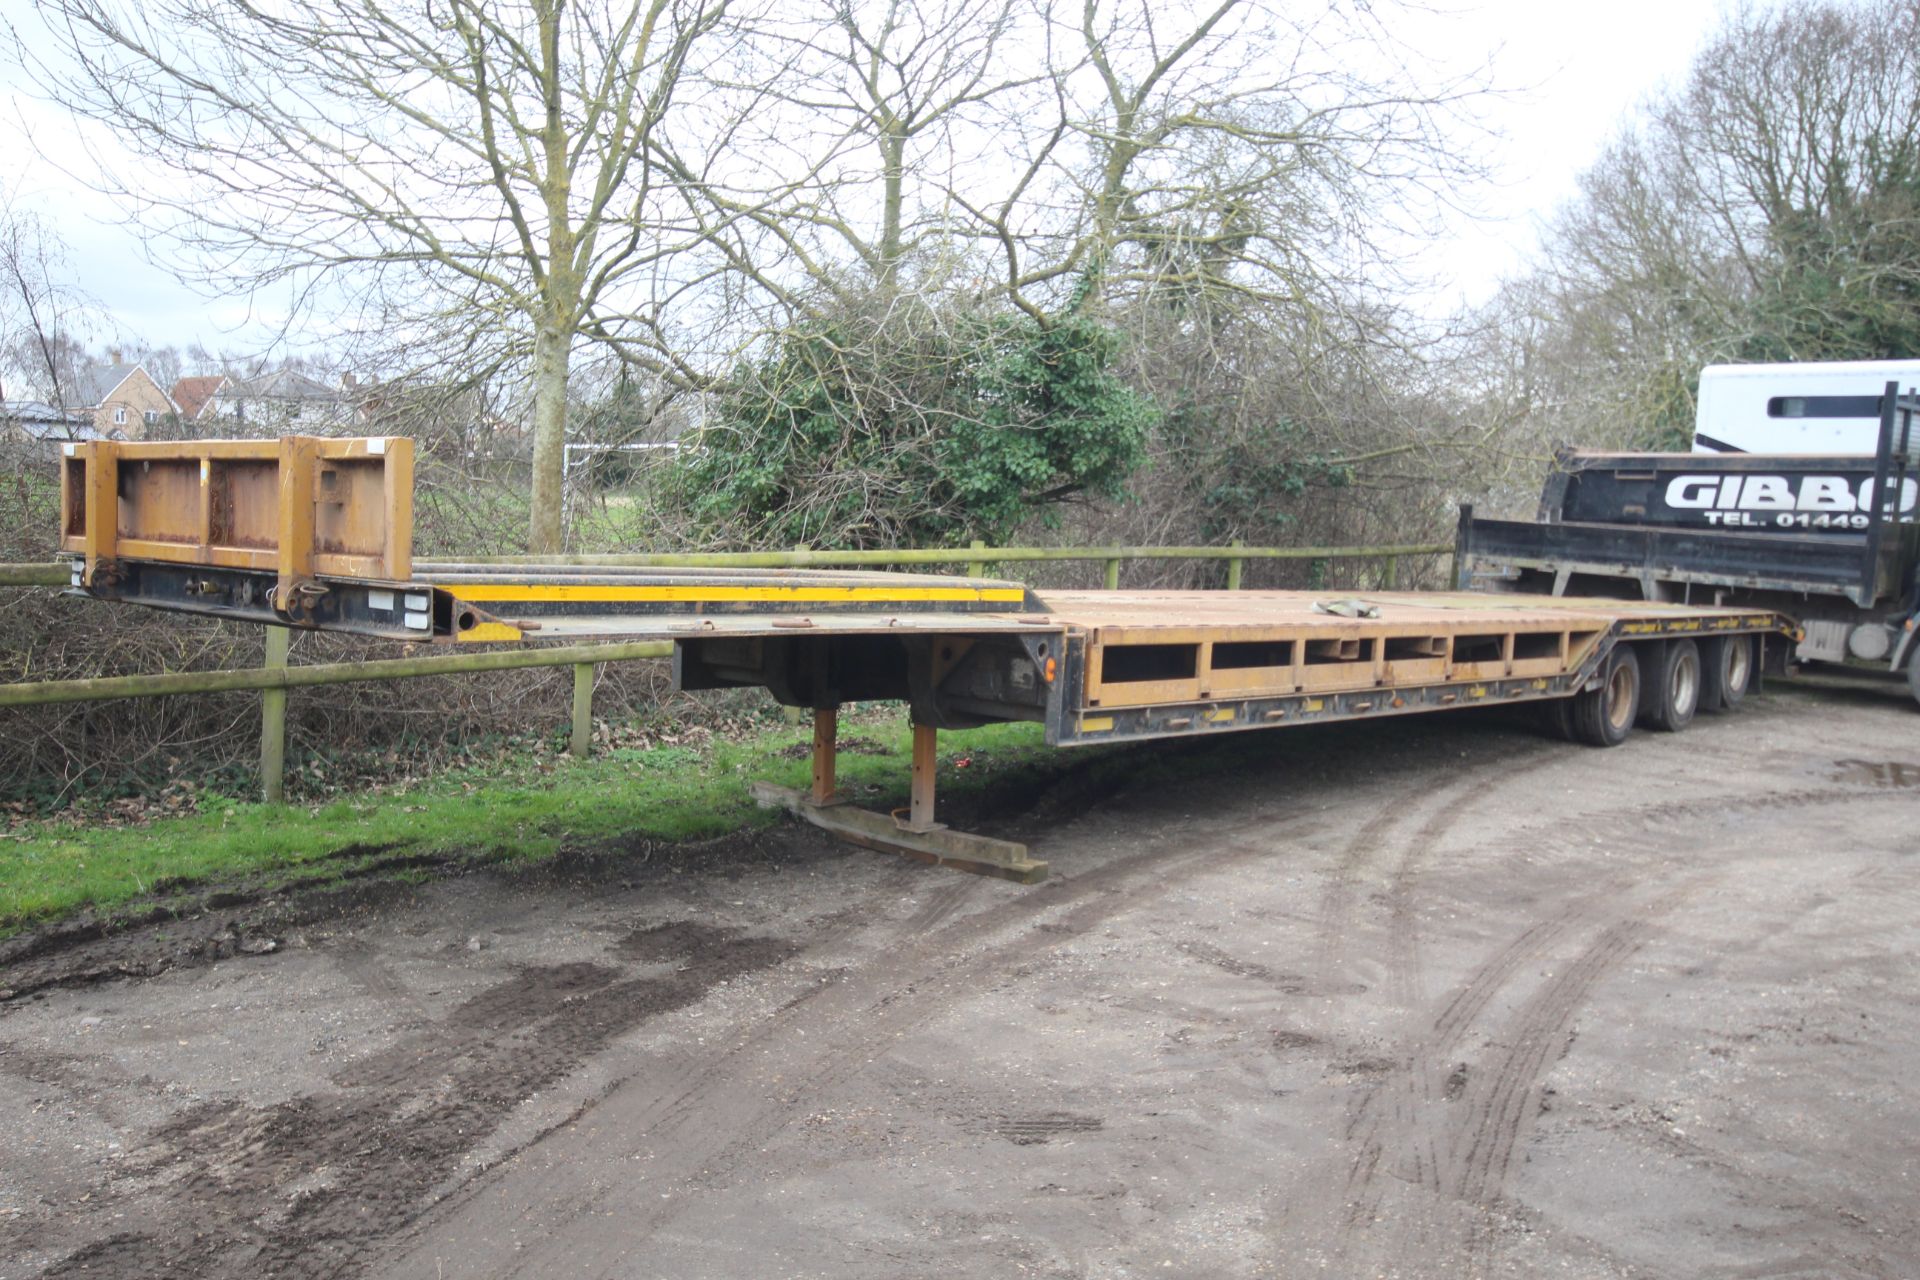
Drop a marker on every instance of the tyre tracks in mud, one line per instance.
(689, 1127)
(690, 1122)
(1443, 1125)
(394, 1150)
(1445, 1122)
(1436, 806)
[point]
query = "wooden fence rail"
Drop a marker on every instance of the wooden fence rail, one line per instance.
(276, 677)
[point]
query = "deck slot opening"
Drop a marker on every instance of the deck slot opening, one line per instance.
(1479, 648)
(1323, 652)
(1248, 655)
(1132, 663)
(1536, 644)
(1404, 648)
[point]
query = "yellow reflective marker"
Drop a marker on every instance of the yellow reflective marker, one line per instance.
(481, 593)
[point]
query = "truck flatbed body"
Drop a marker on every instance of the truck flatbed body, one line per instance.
(1833, 539)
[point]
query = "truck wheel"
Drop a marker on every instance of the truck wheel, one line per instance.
(1673, 694)
(1556, 719)
(1604, 716)
(1728, 672)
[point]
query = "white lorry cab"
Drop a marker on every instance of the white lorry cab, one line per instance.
(1830, 407)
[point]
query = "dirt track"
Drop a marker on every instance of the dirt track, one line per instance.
(1415, 999)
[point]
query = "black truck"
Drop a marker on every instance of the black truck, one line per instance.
(1829, 539)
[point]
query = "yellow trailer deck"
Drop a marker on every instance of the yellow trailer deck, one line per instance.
(317, 533)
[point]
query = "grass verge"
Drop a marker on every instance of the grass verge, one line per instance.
(522, 813)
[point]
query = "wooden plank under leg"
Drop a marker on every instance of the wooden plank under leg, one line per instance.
(914, 834)
(978, 855)
(826, 736)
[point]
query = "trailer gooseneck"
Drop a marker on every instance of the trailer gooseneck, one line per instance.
(316, 533)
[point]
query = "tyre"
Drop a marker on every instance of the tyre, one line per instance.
(1603, 717)
(1556, 719)
(1729, 670)
(1673, 688)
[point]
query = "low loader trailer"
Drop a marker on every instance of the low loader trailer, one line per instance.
(316, 533)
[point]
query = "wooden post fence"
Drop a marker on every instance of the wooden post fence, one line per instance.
(273, 722)
(275, 676)
(977, 568)
(582, 744)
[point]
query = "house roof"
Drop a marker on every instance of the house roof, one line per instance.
(38, 420)
(281, 384)
(193, 394)
(93, 383)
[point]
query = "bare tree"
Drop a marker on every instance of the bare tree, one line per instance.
(43, 318)
(482, 169)
(1767, 208)
(1232, 146)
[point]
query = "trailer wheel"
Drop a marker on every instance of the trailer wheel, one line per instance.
(1673, 695)
(1728, 671)
(1556, 719)
(1603, 717)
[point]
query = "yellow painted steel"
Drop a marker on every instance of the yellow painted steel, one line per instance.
(507, 593)
(491, 632)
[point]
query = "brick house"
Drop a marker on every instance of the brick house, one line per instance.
(195, 396)
(122, 399)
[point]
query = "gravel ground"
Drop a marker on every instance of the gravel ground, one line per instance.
(1437, 997)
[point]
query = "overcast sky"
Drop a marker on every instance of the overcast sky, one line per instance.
(1571, 73)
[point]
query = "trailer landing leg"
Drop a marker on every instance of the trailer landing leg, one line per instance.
(911, 832)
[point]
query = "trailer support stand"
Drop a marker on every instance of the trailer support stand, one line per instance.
(826, 734)
(911, 832)
(920, 796)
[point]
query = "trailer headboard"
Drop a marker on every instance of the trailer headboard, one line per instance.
(300, 507)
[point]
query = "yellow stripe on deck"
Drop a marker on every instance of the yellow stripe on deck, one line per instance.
(519, 592)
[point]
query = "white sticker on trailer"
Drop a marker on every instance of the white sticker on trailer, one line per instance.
(381, 600)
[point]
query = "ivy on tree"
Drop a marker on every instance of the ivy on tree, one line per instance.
(898, 424)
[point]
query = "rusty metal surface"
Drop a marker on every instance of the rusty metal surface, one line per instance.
(302, 508)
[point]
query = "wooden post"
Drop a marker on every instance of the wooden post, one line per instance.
(977, 568)
(1236, 567)
(1390, 576)
(273, 724)
(1113, 574)
(920, 815)
(826, 739)
(582, 744)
